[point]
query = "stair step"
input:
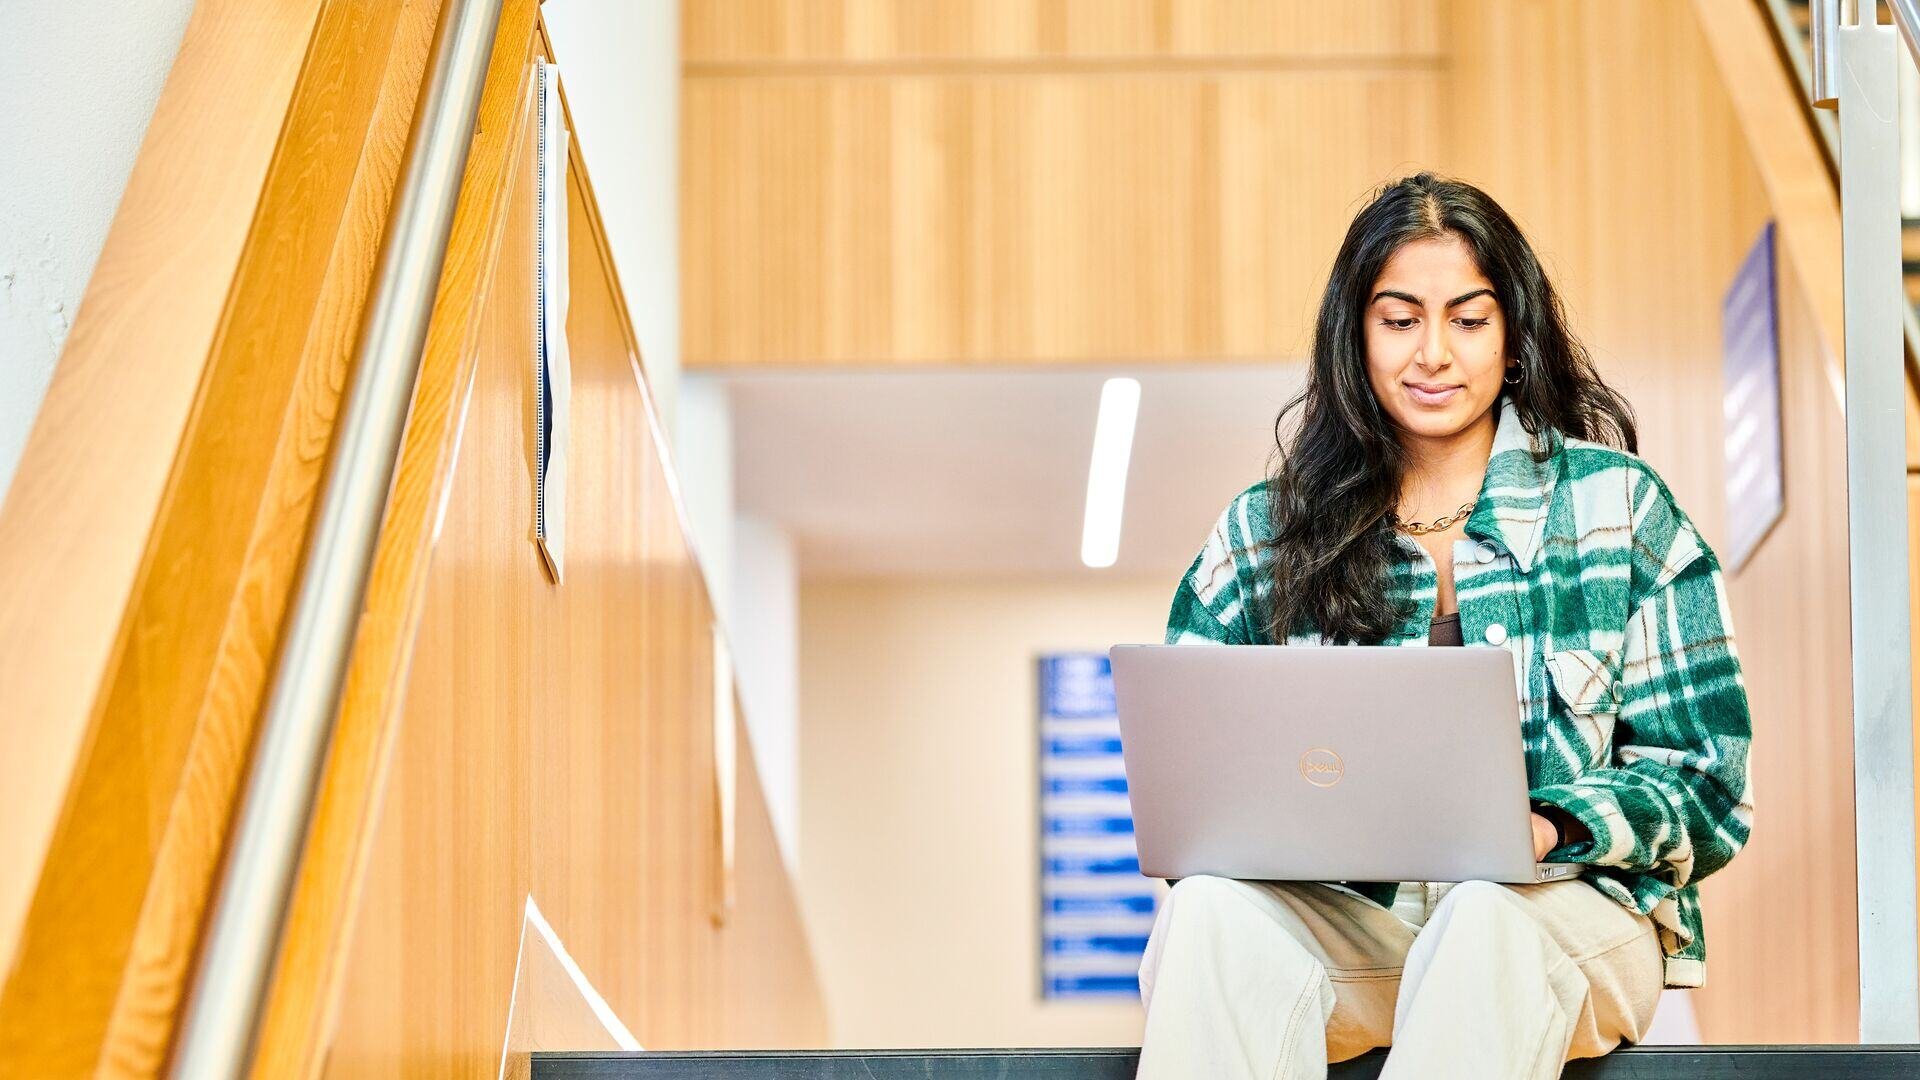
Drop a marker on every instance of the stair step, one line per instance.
(1832, 1062)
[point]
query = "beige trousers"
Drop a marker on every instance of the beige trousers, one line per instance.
(1274, 980)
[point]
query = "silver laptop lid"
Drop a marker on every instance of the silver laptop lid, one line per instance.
(1355, 763)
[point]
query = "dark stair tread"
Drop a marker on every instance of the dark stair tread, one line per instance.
(1824, 1062)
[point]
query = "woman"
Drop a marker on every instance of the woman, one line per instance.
(1459, 474)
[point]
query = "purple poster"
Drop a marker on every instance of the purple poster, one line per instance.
(1750, 359)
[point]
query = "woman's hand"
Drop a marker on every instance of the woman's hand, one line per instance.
(1545, 837)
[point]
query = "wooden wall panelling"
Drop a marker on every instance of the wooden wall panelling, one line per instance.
(789, 32)
(427, 966)
(1806, 204)
(116, 914)
(691, 982)
(300, 1008)
(769, 994)
(1604, 130)
(1780, 920)
(1023, 218)
(1608, 131)
(1767, 99)
(1770, 104)
(868, 182)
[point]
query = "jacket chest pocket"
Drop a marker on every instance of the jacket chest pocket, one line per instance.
(1588, 695)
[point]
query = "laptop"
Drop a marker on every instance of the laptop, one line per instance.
(1343, 763)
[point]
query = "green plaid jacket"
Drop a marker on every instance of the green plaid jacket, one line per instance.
(1634, 713)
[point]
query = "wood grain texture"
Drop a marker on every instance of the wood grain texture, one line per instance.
(1781, 923)
(1785, 148)
(794, 32)
(504, 737)
(299, 1015)
(116, 914)
(1026, 219)
(1606, 132)
(1805, 200)
(141, 758)
(550, 1008)
(75, 523)
(869, 182)
(1771, 107)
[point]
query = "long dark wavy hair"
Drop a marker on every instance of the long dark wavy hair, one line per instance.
(1336, 482)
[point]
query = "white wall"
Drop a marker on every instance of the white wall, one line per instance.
(79, 86)
(703, 461)
(620, 68)
(919, 808)
(763, 624)
(753, 575)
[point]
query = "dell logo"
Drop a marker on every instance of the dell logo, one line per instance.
(1322, 767)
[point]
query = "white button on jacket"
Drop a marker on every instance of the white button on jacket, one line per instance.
(1496, 634)
(1485, 553)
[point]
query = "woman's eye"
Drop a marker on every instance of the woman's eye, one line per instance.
(1399, 324)
(1472, 324)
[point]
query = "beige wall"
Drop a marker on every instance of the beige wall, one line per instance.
(918, 804)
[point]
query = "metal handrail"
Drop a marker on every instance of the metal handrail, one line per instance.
(296, 724)
(1906, 16)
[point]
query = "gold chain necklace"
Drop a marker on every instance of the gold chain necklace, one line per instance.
(1421, 528)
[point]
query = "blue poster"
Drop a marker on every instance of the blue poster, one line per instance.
(1095, 908)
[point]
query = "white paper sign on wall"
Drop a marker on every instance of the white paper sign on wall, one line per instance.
(553, 370)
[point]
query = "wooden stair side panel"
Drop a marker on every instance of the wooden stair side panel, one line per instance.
(98, 979)
(768, 989)
(506, 738)
(305, 995)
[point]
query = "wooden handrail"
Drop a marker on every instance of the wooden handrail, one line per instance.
(155, 520)
(303, 694)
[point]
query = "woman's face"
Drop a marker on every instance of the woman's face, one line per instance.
(1436, 339)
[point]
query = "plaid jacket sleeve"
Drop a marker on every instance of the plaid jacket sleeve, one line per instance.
(1213, 603)
(1192, 620)
(1674, 801)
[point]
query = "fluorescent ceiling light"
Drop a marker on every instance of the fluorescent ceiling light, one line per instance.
(1107, 477)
